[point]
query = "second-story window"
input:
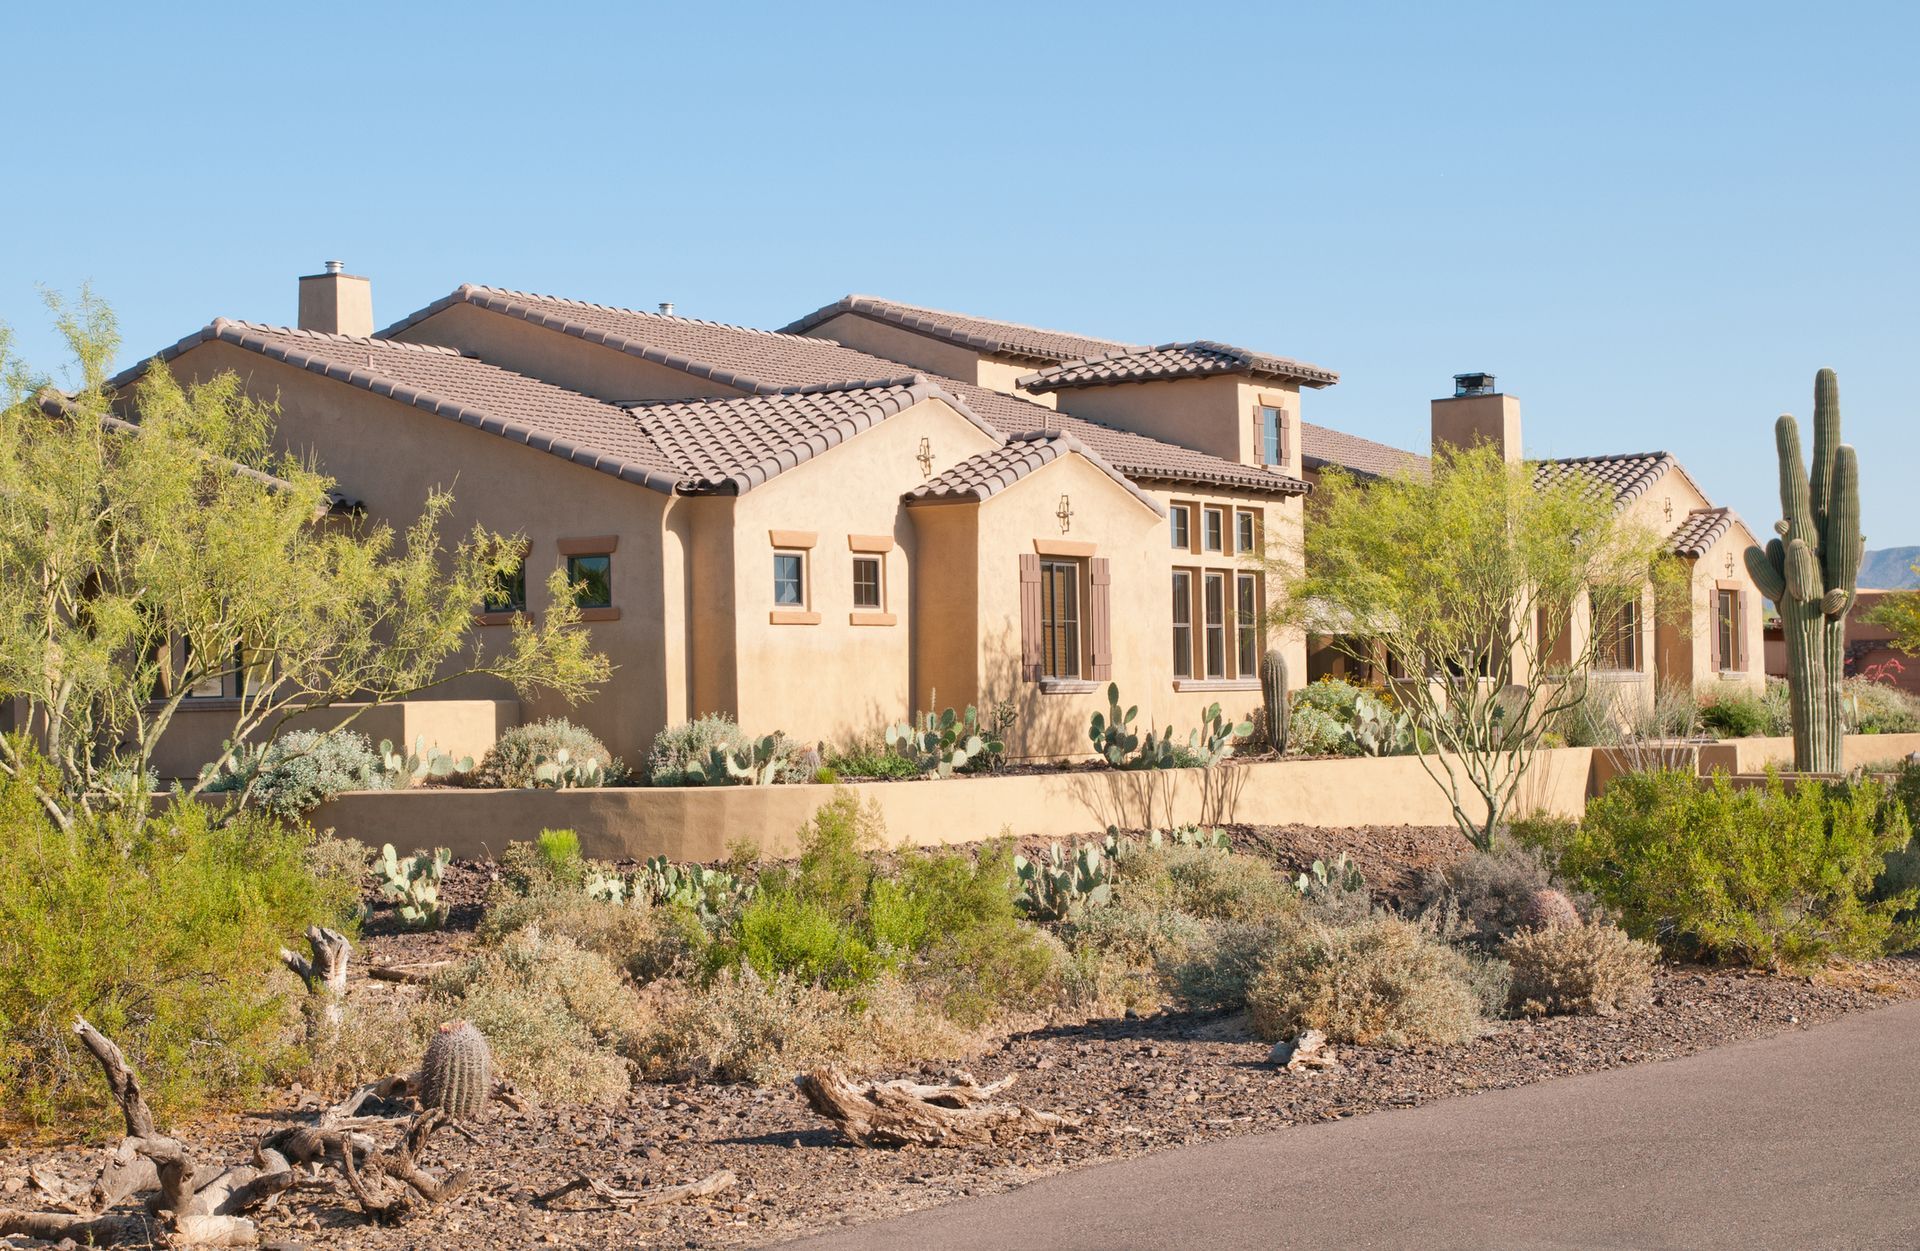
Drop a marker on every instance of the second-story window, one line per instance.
(790, 579)
(509, 593)
(1182, 624)
(1273, 424)
(1180, 521)
(592, 579)
(1060, 618)
(1214, 605)
(866, 583)
(1245, 533)
(1213, 529)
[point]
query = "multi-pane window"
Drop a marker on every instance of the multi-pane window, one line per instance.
(1245, 538)
(1182, 624)
(1616, 630)
(1060, 619)
(1213, 529)
(1272, 422)
(592, 579)
(1726, 630)
(1246, 624)
(1180, 521)
(866, 582)
(1214, 620)
(790, 579)
(509, 593)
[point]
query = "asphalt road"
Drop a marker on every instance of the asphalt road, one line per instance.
(1804, 1140)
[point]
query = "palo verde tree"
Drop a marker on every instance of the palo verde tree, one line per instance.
(1470, 581)
(169, 548)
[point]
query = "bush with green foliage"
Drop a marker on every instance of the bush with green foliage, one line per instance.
(1737, 714)
(1878, 708)
(1335, 717)
(165, 935)
(514, 761)
(1381, 980)
(870, 758)
(302, 769)
(681, 750)
(1771, 876)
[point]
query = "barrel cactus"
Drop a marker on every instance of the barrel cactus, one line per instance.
(1811, 571)
(1273, 690)
(457, 1075)
(1547, 908)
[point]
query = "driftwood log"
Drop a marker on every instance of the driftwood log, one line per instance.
(910, 1114)
(325, 974)
(389, 1205)
(649, 1197)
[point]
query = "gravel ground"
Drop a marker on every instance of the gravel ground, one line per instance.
(1138, 1085)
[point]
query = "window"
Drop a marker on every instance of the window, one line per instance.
(1179, 519)
(1213, 527)
(1726, 631)
(1214, 593)
(790, 579)
(1272, 422)
(866, 582)
(210, 686)
(1246, 623)
(592, 579)
(1245, 537)
(1616, 630)
(1182, 624)
(1059, 619)
(509, 593)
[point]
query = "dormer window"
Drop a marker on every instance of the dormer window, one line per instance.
(1273, 424)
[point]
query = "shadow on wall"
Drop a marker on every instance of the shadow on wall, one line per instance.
(1146, 799)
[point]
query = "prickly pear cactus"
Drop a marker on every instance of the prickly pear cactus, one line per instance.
(1273, 690)
(1547, 908)
(1811, 571)
(457, 1075)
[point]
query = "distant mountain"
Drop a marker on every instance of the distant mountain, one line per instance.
(1890, 567)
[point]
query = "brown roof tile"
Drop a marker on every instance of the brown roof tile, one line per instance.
(1198, 359)
(1321, 447)
(764, 362)
(1029, 344)
(1627, 475)
(1700, 530)
(981, 477)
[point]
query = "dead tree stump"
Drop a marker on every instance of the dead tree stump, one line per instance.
(910, 1114)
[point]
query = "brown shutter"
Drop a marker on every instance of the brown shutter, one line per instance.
(1029, 617)
(1099, 620)
(1716, 660)
(1740, 628)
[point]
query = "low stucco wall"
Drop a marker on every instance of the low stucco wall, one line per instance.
(459, 727)
(1753, 755)
(696, 823)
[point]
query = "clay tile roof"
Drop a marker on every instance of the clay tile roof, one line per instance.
(1199, 359)
(1028, 344)
(459, 388)
(1700, 530)
(730, 446)
(1628, 475)
(766, 362)
(981, 477)
(1321, 447)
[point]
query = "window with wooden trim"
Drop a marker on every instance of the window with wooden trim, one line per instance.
(1182, 623)
(1060, 618)
(592, 579)
(1213, 529)
(1728, 640)
(1180, 523)
(1273, 443)
(1246, 624)
(790, 579)
(867, 592)
(1213, 597)
(1246, 533)
(1616, 630)
(509, 593)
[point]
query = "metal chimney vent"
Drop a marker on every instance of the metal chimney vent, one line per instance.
(1473, 384)
(666, 308)
(336, 267)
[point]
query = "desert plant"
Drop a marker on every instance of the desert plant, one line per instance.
(298, 771)
(1736, 715)
(1275, 700)
(456, 1076)
(1380, 980)
(423, 764)
(554, 753)
(1335, 889)
(1871, 707)
(1201, 880)
(686, 747)
(1213, 741)
(709, 893)
(413, 884)
(1064, 884)
(1488, 895)
(945, 742)
(1588, 968)
(1810, 572)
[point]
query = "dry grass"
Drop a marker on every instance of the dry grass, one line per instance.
(1585, 969)
(1381, 980)
(1202, 882)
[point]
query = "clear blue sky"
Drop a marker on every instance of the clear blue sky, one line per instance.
(1653, 222)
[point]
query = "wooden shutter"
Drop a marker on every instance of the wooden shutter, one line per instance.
(1030, 617)
(1099, 620)
(1740, 629)
(1716, 660)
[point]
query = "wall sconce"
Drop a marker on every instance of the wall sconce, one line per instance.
(1729, 563)
(1666, 507)
(925, 457)
(1065, 514)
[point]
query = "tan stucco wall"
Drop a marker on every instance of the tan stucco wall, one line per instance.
(1216, 415)
(949, 360)
(1754, 755)
(459, 727)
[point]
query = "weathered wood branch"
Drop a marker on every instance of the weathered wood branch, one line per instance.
(325, 974)
(401, 1163)
(909, 1114)
(408, 974)
(648, 1197)
(120, 1079)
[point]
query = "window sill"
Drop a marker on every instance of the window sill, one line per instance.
(1067, 686)
(502, 618)
(1216, 684)
(872, 619)
(202, 703)
(599, 614)
(1733, 675)
(788, 616)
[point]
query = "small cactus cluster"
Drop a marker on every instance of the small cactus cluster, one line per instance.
(1379, 730)
(1118, 846)
(1276, 698)
(708, 892)
(1338, 876)
(413, 883)
(763, 761)
(945, 742)
(561, 771)
(1548, 907)
(1115, 740)
(1064, 884)
(457, 1075)
(422, 764)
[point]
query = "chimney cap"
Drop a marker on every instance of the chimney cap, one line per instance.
(336, 267)
(1474, 384)
(666, 308)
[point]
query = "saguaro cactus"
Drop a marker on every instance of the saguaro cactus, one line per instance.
(1810, 571)
(1273, 693)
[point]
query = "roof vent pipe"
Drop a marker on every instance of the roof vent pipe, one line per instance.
(666, 308)
(336, 267)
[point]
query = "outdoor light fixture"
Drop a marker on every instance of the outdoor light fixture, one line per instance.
(925, 457)
(1666, 507)
(1065, 514)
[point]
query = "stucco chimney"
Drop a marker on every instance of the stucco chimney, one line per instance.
(1476, 412)
(336, 302)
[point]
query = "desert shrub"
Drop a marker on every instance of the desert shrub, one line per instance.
(1220, 968)
(680, 748)
(1878, 708)
(1381, 980)
(165, 935)
(1901, 873)
(563, 1021)
(1767, 876)
(1334, 891)
(1736, 714)
(1210, 883)
(510, 762)
(300, 770)
(1590, 968)
(869, 757)
(1313, 732)
(1487, 895)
